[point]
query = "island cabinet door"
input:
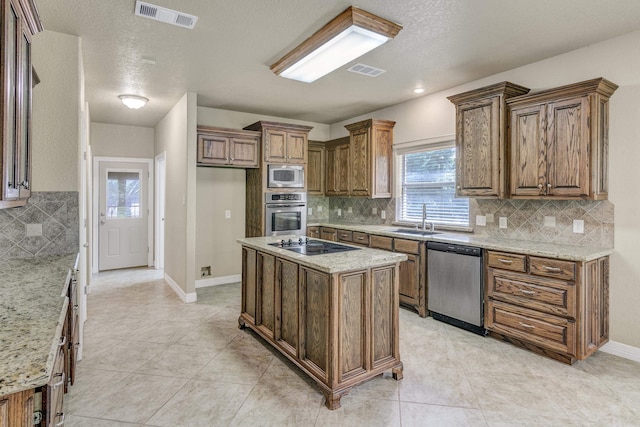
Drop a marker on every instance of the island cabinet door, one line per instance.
(287, 306)
(314, 322)
(265, 310)
(351, 303)
(249, 284)
(384, 316)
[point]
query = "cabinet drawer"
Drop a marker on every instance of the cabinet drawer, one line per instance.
(507, 261)
(544, 330)
(360, 238)
(406, 246)
(547, 295)
(381, 242)
(345, 236)
(553, 268)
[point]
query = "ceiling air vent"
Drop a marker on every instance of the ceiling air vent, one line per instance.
(162, 14)
(367, 70)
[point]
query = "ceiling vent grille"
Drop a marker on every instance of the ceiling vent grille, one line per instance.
(162, 14)
(366, 70)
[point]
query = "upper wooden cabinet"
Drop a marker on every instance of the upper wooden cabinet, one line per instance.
(337, 167)
(481, 141)
(558, 142)
(315, 168)
(371, 158)
(19, 21)
(283, 142)
(228, 147)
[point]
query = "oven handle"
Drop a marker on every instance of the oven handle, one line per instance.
(286, 206)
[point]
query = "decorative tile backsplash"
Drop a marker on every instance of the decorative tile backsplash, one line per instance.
(548, 220)
(351, 210)
(46, 225)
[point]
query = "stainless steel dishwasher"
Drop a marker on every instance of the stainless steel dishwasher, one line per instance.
(455, 285)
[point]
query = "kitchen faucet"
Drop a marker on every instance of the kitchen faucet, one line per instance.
(424, 219)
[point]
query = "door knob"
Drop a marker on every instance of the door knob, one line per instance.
(102, 222)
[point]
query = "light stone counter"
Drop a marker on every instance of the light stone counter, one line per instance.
(329, 263)
(551, 250)
(33, 307)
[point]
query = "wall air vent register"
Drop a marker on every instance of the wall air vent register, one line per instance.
(168, 16)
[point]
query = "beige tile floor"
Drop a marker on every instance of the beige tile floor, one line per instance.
(150, 359)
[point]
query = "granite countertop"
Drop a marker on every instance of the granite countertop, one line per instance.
(33, 308)
(330, 263)
(551, 250)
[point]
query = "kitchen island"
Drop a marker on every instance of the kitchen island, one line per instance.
(334, 315)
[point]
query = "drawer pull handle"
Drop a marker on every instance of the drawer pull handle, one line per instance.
(526, 292)
(505, 261)
(59, 383)
(524, 325)
(63, 341)
(61, 416)
(552, 269)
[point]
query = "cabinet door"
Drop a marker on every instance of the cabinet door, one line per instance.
(329, 234)
(478, 148)
(315, 170)
(528, 151)
(249, 279)
(313, 231)
(382, 167)
(275, 146)
(11, 75)
(360, 168)
(296, 150)
(343, 175)
(332, 167)
(352, 327)
(213, 150)
(24, 133)
(243, 152)
(287, 307)
(314, 322)
(568, 148)
(265, 311)
(384, 309)
(410, 280)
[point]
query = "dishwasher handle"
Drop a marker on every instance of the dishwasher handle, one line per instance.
(454, 248)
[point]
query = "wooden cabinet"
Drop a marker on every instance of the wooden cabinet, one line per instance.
(17, 409)
(558, 142)
(481, 119)
(19, 21)
(413, 274)
(337, 167)
(315, 169)
(558, 308)
(54, 391)
(228, 147)
(340, 328)
(313, 232)
(370, 166)
(72, 331)
(329, 233)
(283, 142)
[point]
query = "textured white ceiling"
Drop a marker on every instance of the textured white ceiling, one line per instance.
(226, 58)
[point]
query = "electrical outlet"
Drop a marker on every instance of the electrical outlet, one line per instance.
(374, 211)
(339, 212)
(549, 221)
(383, 214)
(502, 221)
(227, 214)
(309, 211)
(319, 208)
(349, 209)
(578, 226)
(481, 220)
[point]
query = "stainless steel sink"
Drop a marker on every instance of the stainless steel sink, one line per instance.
(415, 232)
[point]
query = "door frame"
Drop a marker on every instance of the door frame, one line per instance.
(160, 199)
(95, 202)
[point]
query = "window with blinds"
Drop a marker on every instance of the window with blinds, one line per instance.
(429, 176)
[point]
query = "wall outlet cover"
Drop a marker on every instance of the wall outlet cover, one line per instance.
(578, 226)
(481, 220)
(349, 209)
(503, 222)
(309, 211)
(227, 214)
(374, 211)
(339, 212)
(319, 208)
(383, 214)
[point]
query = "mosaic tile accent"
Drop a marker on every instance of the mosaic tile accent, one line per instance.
(526, 221)
(56, 211)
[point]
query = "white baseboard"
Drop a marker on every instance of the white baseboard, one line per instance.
(623, 350)
(185, 297)
(215, 281)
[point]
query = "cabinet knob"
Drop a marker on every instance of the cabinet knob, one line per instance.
(549, 186)
(540, 186)
(232, 159)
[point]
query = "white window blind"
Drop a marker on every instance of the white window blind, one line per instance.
(429, 176)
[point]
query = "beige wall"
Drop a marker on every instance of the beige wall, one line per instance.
(220, 189)
(109, 140)
(617, 60)
(56, 112)
(174, 136)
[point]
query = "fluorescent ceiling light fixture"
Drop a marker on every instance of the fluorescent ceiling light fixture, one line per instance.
(133, 101)
(348, 36)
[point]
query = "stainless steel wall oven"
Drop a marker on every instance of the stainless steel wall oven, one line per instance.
(285, 213)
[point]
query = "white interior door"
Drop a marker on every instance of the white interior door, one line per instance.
(159, 220)
(123, 215)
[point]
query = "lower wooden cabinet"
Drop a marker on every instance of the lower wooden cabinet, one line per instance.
(555, 307)
(54, 391)
(328, 233)
(313, 232)
(17, 409)
(339, 328)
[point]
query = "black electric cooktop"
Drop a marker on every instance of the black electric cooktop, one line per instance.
(306, 246)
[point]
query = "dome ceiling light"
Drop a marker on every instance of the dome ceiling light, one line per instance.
(133, 101)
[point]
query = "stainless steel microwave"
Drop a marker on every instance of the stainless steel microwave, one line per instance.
(285, 176)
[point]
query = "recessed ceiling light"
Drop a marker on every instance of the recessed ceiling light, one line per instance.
(133, 101)
(418, 90)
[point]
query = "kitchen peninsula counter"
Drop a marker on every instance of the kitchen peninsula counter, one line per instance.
(33, 308)
(335, 316)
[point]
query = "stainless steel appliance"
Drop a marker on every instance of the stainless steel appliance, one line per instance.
(285, 213)
(455, 285)
(305, 246)
(285, 176)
